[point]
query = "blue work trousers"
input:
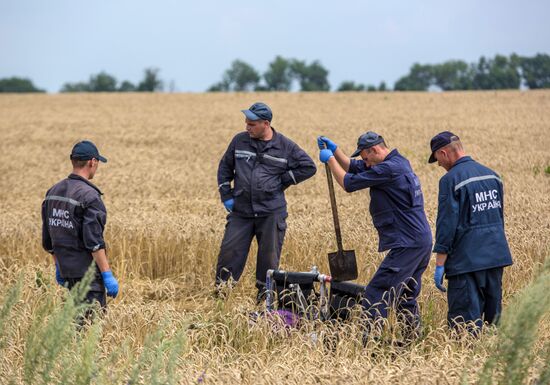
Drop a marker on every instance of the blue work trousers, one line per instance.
(95, 293)
(474, 297)
(397, 283)
(239, 231)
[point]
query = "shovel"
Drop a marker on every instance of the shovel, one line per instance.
(342, 263)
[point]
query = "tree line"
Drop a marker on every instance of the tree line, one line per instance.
(279, 76)
(500, 72)
(285, 74)
(101, 82)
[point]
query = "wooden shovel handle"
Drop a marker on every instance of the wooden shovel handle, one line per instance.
(334, 209)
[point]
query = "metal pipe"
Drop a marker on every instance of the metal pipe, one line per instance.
(323, 295)
(269, 290)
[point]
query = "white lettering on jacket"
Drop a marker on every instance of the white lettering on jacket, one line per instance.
(60, 219)
(486, 200)
(486, 195)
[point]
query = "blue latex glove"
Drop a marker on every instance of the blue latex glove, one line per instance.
(324, 142)
(110, 282)
(228, 204)
(60, 280)
(438, 278)
(325, 155)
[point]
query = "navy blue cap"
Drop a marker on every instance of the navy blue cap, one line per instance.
(258, 111)
(439, 141)
(367, 140)
(86, 150)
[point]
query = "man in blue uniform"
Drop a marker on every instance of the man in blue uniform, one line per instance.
(397, 210)
(262, 164)
(73, 219)
(470, 241)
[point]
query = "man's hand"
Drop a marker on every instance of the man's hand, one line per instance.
(324, 142)
(60, 280)
(228, 204)
(325, 155)
(110, 282)
(438, 278)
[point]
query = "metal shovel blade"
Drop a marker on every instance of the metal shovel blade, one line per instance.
(343, 265)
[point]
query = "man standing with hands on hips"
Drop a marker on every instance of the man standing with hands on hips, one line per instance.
(262, 164)
(73, 220)
(470, 241)
(397, 210)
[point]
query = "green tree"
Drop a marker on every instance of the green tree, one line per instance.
(241, 76)
(218, 87)
(126, 86)
(536, 71)
(75, 87)
(312, 77)
(151, 81)
(350, 85)
(382, 86)
(496, 74)
(261, 88)
(420, 78)
(278, 77)
(15, 84)
(453, 75)
(102, 82)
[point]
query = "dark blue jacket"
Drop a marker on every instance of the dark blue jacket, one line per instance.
(470, 220)
(396, 201)
(73, 219)
(260, 177)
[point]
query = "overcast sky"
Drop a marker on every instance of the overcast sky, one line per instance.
(193, 42)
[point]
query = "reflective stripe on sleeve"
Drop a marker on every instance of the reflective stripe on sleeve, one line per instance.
(244, 154)
(64, 199)
(281, 160)
(224, 184)
(475, 179)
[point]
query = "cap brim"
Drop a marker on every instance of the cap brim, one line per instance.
(250, 115)
(432, 158)
(100, 158)
(356, 153)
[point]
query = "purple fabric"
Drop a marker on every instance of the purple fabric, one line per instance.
(279, 318)
(288, 318)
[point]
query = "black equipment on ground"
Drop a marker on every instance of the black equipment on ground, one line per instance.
(343, 297)
(295, 292)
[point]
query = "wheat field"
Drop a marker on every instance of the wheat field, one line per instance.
(165, 223)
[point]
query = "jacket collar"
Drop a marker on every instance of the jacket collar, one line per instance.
(392, 153)
(78, 177)
(273, 142)
(462, 160)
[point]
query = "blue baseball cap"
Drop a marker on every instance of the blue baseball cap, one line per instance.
(86, 150)
(258, 111)
(367, 140)
(439, 141)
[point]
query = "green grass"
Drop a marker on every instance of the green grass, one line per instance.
(513, 360)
